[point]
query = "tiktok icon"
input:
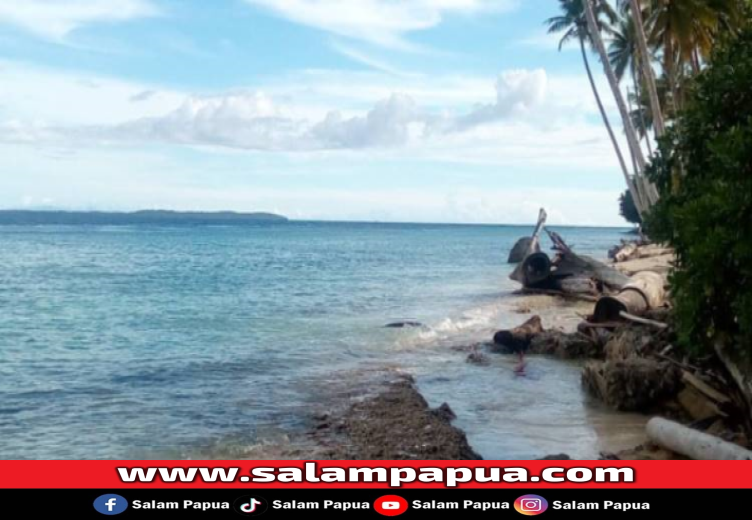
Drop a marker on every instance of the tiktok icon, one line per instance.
(250, 506)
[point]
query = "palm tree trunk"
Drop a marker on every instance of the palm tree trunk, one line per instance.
(669, 65)
(651, 194)
(637, 79)
(647, 69)
(627, 177)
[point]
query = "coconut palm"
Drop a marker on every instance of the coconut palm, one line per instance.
(635, 7)
(686, 31)
(646, 189)
(642, 113)
(624, 55)
(572, 22)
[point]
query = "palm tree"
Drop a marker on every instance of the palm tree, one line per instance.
(574, 25)
(624, 54)
(647, 191)
(686, 31)
(647, 66)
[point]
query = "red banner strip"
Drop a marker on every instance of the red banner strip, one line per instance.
(397, 474)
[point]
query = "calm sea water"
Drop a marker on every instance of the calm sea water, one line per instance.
(123, 342)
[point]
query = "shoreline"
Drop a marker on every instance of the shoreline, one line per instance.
(396, 422)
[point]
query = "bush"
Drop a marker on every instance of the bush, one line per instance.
(628, 209)
(704, 172)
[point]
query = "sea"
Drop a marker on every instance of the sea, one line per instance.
(194, 341)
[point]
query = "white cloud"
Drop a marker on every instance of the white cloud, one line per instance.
(55, 19)
(392, 122)
(529, 118)
(518, 92)
(380, 22)
(243, 120)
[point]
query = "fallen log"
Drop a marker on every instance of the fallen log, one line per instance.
(692, 443)
(569, 264)
(528, 245)
(626, 252)
(561, 294)
(518, 339)
(643, 292)
(534, 270)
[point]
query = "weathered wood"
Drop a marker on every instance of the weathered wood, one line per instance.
(555, 292)
(528, 245)
(643, 321)
(568, 264)
(643, 292)
(692, 443)
(626, 252)
(578, 285)
(534, 270)
(520, 250)
(698, 406)
(518, 339)
(704, 388)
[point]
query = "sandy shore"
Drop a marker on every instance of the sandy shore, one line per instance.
(396, 421)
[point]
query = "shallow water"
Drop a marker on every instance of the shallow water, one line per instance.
(146, 341)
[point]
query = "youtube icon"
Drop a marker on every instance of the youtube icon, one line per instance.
(390, 505)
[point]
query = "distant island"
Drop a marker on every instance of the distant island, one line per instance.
(105, 218)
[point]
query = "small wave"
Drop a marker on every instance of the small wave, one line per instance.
(469, 326)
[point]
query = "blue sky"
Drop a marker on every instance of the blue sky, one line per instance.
(418, 110)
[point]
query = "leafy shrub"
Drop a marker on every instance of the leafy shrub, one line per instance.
(704, 172)
(628, 209)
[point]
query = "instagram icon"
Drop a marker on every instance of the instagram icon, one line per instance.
(531, 505)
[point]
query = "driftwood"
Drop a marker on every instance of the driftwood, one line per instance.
(643, 321)
(569, 265)
(643, 292)
(528, 245)
(534, 270)
(554, 292)
(692, 443)
(518, 339)
(568, 272)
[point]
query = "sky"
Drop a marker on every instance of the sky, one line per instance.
(461, 111)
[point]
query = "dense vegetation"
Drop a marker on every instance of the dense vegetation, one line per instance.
(627, 208)
(689, 68)
(704, 172)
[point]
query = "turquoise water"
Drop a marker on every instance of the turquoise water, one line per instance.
(145, 341)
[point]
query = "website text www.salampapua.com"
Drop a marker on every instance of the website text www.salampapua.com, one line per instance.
(394, 476)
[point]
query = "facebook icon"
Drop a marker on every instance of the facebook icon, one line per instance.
(110, 504)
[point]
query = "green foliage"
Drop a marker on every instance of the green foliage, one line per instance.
(704, 172)
(628, 209)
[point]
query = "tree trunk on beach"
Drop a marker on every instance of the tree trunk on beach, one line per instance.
(639, 204)
(692, 443)
(647, 69)
(528, 245)
(645, 186)
(643, 292)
